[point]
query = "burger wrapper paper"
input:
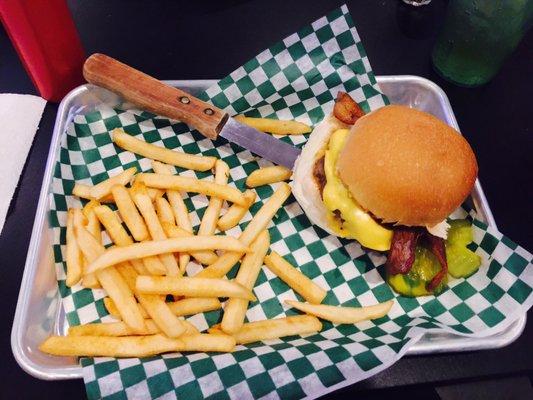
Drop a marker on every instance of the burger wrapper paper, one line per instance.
(296, 78)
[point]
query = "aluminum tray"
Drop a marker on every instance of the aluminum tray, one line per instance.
(39, 312)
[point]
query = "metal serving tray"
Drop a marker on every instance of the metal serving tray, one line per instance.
(39, 312)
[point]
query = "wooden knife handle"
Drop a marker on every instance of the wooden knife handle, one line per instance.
(152, 95)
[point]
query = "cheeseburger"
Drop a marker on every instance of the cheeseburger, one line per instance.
(388, 179)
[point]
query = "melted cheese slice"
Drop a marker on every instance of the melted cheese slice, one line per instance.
(357, 224)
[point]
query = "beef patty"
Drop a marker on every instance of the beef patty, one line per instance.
(320, 174)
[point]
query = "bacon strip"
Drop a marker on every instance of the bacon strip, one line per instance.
(402, 251)
(346, 109)
(436, 246)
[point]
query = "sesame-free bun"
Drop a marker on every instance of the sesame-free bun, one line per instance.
(406, 166)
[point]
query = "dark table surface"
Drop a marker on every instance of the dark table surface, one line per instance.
(184, 40)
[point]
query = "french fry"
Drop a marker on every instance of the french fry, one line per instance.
(79, 219)
(343, 315)
(191, 287)
(113, 226)
(180, 308)
(181, 214)
(265, 214)
(183, 261)
(205, 342)
(112, 309)
(212, 212)
(276, 328)
(215, 329)
(173, 157)
(235, 309)
(258, 223)
(117, 233)
(111, 329)
(127, 346)
(91, 280)
(118, 290)
(103, 188)
(107, 199)
(160, 312)
(111, 281)
(134, 346)
(82, 190)
(186, 184)
(121, 329)
(154, 193)
(93, 225)
(73, 253)
(275, 126)
(267, 175)
(194, 305)
(164, 211)
(236, 212)
(129, 213)
(174, 197)
(89, 207)
(204, 257)
(120, 237)
(117, 255)
(154, 265)
(346, 109)
(137, 187)
(145, 206)
(88, 280)
(298, 281)
(154, 305)
(190, 329)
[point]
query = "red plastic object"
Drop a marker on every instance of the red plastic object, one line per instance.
(47, 42)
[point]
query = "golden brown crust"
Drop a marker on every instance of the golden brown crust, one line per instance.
(407, 166)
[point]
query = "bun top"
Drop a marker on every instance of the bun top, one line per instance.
(406, 166)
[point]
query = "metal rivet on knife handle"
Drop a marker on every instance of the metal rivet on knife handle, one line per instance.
(185, 100)
(209, 111)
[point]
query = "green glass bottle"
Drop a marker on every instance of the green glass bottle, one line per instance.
(477, 37)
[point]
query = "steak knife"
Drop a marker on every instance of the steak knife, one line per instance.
(153, 95)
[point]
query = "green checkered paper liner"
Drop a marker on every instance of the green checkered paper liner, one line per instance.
(297, 78)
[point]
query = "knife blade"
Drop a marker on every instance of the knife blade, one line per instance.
(152, 95)
(260, 143)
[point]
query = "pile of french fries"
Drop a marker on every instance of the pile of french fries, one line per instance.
(143, 271)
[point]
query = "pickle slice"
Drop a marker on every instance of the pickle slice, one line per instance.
(462, 262)
(460, 232)
(414, 283)
(407, 287)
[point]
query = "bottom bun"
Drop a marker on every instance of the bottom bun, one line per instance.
(304, 186)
